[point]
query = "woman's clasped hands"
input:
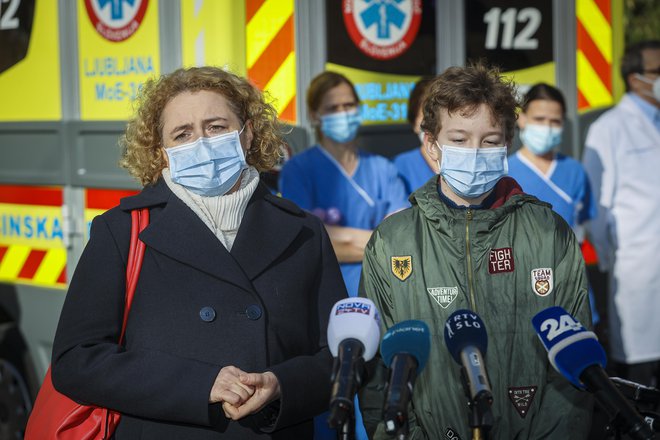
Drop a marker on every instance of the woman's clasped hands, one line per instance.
(243, 393)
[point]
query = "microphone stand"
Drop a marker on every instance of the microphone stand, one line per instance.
(346, 382)
(481, 414)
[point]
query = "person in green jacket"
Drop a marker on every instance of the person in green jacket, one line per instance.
(473, 240)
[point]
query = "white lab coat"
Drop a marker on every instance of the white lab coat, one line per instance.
(622, 159)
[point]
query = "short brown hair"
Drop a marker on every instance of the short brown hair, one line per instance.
(321, 84)
(417, 96)
(142, 141)
(465, 89)
(632, 60)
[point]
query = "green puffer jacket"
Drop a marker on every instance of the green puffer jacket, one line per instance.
(506, 263)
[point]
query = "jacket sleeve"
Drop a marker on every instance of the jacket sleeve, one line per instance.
(599, 163)
(565, 411)
(305, 380)
(88, 364)
(375, 286)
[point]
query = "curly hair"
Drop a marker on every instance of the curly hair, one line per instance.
(465, 89)
(142, 142)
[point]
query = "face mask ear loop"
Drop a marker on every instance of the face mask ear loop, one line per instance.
(437, 145)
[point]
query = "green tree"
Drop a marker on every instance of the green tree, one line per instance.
(641, 20)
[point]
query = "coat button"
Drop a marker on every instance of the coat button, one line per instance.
(207, 314)
(253, 312)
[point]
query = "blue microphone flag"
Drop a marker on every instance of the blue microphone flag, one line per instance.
(465, 328)
(571, 347)
(407, 337)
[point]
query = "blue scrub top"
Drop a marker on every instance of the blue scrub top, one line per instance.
(413, 169)
(565, 186)
(315, 181)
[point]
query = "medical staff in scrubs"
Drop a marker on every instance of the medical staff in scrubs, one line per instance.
(416, 166)
(349, 189)
(545, 173)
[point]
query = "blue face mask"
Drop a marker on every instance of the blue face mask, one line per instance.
(341, 127)
(540, 139)
(472, 172)
(208, 166)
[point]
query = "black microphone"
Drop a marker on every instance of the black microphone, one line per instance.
(576, 354)
(467, 341)
(353, 334)
(405, 349)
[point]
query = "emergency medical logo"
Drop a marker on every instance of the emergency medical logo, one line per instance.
(522, 398)
(382, 29)
(444, 296)
(500, 260)
(353, 307)
(116, 20)
(542, 281)
(402, 267)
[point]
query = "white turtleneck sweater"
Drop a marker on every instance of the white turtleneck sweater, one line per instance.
(222, 214)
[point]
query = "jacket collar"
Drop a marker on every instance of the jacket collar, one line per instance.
(508, 196)
(266, 231)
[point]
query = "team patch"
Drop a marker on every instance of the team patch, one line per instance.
(444, 296)
(450, 434)
(500, 260)
(402, 267)
(353, 307)
(542, 281)
(522, 398)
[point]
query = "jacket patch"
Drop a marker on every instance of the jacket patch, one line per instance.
(542, 281)
(500, 260)
(402, 267)
(522, 398)
(444, 296)
(450, 434)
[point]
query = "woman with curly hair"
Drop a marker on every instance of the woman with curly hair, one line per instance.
(226, 334)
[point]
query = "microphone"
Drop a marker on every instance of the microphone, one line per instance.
(405, 349)
(467, 341)
(353, 335)
(578, 356)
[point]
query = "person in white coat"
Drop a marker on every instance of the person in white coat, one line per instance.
(622, 160)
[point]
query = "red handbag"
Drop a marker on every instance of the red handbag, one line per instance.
(54, 415)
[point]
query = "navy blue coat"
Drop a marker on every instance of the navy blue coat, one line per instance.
(263, 306)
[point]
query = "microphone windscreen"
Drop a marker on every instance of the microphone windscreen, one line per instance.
(354, 318)
(407, 337)
(465, 328)
(571, 348)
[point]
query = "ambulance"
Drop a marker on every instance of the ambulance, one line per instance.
(70, 70)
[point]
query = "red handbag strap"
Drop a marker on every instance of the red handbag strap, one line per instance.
(139, 220)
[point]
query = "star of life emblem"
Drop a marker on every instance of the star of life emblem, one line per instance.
(542, 281)
(444, 296)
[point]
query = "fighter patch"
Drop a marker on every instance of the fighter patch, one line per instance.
(402, 267)
(450, 434)
(522, 398)
(500, 260)
(444, 296)
(542, 281)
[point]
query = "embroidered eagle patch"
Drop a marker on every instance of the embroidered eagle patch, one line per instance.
(402, 267)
